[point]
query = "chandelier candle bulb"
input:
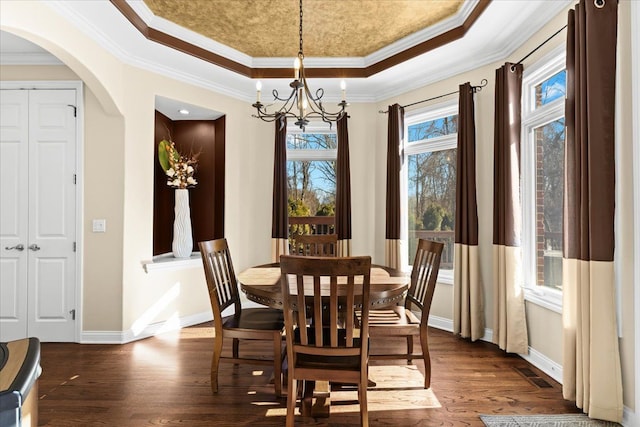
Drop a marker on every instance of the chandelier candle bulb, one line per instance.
(296, 68)
(343, 88)
(258, 89)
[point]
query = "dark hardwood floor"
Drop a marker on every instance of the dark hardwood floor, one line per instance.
(164, 380)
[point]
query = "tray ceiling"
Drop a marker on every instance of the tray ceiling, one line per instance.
(338, 28)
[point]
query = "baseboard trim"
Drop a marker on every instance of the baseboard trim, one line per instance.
(630, 418)
(123, 337)
(447, 325)
(542, 362)
(537, 359)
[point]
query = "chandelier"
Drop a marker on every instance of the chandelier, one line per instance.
(301, 104)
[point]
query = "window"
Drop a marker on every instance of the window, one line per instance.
(429, 181)
(311, 178)
(543, 134)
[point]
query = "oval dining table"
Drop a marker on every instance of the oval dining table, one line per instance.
(261, 284)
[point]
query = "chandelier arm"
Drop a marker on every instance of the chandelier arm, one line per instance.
(276, 96)
(307, 105)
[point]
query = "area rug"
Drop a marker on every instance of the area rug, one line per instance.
(569, 420)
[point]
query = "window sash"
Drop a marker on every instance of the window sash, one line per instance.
(532, 119)
(445, 142)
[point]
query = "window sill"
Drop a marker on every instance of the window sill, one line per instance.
(167, 262)
(446, 279)
(550, 300)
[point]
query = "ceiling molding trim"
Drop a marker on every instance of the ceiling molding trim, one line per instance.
(423, 35)
(309, 62)
(270, 72)
(165, 26)
(29, 59)
(419, 80)
(88, 28)
(69, 13)
(174, 42)
(534, 24)
(188, 78)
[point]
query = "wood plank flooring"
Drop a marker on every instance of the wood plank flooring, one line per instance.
(164, 380)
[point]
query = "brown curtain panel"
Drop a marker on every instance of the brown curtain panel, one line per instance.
(395, 135)
(468, 306)
(280, 215)
(591, 358)
(343, 190)
(509, 322)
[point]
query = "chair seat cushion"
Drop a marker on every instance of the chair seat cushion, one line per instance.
(335, 362)
(395, 316)
(256, 318)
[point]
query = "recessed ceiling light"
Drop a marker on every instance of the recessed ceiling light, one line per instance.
(183, 111)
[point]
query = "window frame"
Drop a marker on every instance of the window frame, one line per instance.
(294, 154)
(445, 142)
(534, 118)
(312, 155)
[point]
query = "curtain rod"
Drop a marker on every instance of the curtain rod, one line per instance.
(475, 89)
(537, 47)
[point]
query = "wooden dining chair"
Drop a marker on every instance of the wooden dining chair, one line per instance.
(400, 321)
(333, 346)
(245, 323)
(317, 244)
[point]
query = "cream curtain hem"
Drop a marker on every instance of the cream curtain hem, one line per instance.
(509, 320)
(392, 253)
(468, 305)
(279, 247)
(344, 247)
(591, 364)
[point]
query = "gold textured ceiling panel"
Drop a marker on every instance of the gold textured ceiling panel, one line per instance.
(332, 28)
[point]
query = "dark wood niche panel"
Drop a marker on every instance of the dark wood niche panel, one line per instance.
(206, 200)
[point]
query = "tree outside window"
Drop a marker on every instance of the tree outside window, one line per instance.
(430, 182)
(311, 179)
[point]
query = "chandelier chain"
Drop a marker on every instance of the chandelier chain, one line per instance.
(300, 31)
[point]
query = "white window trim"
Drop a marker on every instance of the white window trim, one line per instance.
(294, 154)
(311, 155)
(440, 143)
(548, 66)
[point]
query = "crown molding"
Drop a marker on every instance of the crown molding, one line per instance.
(423, 35)
(268, 71)
(108, 27)
(416, 79)
(165, 26)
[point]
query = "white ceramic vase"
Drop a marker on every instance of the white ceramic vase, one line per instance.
(182, 239)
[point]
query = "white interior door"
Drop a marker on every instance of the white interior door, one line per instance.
(39, 284)
(14, 205)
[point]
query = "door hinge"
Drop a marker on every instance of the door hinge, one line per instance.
(74, 246)
(73, 314)
(75, 110)
(75, 178)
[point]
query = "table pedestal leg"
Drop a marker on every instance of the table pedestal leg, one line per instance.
(316, 400)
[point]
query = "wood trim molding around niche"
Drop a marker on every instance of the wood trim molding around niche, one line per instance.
(275, 73)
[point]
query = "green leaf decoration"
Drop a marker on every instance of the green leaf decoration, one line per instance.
(164, 148)
(163, 155)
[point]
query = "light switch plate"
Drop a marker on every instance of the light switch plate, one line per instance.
(99, 225)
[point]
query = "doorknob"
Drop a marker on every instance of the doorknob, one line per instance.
(34, 247)
(19, 247)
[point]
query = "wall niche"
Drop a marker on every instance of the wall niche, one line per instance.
(206, 199)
